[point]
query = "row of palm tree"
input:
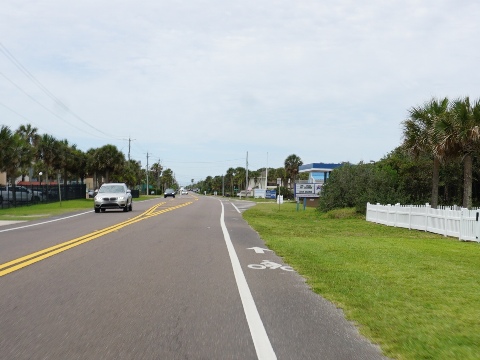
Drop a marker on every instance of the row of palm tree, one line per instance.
(26, 152)
(236, 178)
(446, 131)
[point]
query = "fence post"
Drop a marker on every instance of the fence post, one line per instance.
(477, 214)
(445, 219)
(427, 206)
(410, 217)
(461, 224)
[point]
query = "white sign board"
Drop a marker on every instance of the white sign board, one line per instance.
(307, 190)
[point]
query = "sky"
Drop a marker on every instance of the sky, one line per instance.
(198, 85)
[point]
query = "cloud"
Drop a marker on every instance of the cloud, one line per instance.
(328, 81)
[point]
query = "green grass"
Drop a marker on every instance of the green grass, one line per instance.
(36, 211)
(415, 294)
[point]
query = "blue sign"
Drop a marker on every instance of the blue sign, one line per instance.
(271, 194)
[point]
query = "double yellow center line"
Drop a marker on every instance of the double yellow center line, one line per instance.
(24, 261)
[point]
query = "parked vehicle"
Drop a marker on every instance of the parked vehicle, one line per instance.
(20, 194)
(113, 196)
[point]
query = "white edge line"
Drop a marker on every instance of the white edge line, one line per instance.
(44, 222)
(260, 338)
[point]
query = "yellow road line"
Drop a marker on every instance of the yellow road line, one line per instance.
(24, 261)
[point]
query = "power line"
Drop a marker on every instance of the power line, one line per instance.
(29, 75)
(40, 104)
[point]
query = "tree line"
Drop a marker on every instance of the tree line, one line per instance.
(25, 152)
(234, 179)
(436, 163)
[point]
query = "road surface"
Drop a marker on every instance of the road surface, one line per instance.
(176, 278)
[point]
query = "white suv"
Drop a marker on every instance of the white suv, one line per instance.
(113, 196)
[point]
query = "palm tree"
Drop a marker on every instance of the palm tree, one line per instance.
(156, 170)
(229, 178)
(168, 179)
(109, 160)
(30, 135)
(292, 163)
(460, 133)
(421, 137)
(64, 159)
(132, 173)
(47, 151)
(77, 164)
(240, 177)
(15, 153)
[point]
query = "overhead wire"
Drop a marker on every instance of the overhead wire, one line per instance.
(32, 78)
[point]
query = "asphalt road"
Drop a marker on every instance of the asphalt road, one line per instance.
(182, 278)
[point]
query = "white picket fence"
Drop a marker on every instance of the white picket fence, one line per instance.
(457, 222)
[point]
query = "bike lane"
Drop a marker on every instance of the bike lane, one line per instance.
(300, 324)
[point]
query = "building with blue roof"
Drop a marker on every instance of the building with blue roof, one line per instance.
(318, 172)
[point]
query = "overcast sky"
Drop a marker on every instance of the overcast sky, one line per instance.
(198, 84)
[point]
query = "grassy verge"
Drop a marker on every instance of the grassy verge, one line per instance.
(37, 211)
(415, 294)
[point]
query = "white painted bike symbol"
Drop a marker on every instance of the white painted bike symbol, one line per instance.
(271, 265)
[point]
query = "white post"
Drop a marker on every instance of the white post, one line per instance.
(266, 174)
(427, 206)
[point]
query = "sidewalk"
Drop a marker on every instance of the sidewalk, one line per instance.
(7, 222)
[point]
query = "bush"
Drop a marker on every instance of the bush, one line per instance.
(352, 186)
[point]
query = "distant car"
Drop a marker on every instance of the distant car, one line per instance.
(91, 193)
(184, 192)
(113, 196)
(169, 192)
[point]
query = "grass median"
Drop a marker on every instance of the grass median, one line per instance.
(415, 294)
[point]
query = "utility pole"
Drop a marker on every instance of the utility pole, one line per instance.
(246, 177)
(129, 142)
(147, 173)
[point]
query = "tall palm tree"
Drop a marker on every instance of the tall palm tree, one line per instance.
(47, 151)
(77, 163)
(30, 135)
(109, 159)
(460, 133)
(240, 177)
(156, 170)
(64, 158)
(15, 153)
(168, 178)
(229, 178)
(132, 173)
(421, 137)
(292, 163)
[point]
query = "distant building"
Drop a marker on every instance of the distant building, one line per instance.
(318, 174)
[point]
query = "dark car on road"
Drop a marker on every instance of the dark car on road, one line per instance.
(169, 192)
